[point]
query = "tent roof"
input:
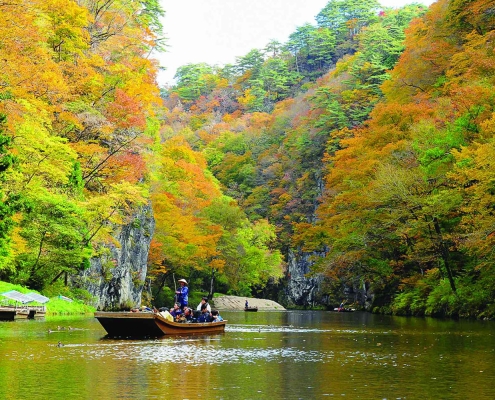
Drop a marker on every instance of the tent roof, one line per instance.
(17, 296)
(38, 297)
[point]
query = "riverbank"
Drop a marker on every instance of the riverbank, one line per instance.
(232, 303)
(57, 305)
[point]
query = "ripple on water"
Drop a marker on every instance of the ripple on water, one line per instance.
(198, 350)
(291, 329)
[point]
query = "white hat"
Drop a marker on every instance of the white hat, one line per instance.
(182, 280)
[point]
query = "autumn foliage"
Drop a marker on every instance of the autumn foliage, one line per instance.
(365, 143)
(380, 168)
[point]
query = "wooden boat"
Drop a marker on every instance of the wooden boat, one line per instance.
(149, 324)
(251, 309)
(337, 309)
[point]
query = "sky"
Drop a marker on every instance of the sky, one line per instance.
(218, 31)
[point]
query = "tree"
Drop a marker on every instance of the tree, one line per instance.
(56, 241)
(346, 17)
(9, 204)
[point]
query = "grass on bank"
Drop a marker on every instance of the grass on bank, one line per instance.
(56, 305)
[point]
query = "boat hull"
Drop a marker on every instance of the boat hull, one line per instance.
(147, 324)
(251, 309)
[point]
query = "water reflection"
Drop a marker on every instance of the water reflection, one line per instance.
(261, 355)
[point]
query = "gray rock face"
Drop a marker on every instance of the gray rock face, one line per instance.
(302, 290)
(116, 279)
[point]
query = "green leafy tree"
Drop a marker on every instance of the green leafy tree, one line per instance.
(55, 233)
(8, 203)
(192, 81)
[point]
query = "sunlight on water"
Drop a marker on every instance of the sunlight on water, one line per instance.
(299, 355)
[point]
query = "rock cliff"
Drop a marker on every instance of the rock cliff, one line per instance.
(117, 277)
(302, 290)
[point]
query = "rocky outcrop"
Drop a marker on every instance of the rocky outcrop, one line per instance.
(237, 303)
(302, 289)
(117, 277)
(305, 289)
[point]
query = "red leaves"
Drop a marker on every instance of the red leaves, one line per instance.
(126, 112)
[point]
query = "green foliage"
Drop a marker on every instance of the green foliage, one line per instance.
(347, 17)
(151, 15)
(76, 183)
(193, 81)
(409, 303)
(56, 234)
(58, 306)
(9, 203)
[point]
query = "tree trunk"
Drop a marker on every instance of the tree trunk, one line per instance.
(212, 284)
(444, 251)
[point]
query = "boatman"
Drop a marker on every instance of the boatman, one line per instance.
(182, 293)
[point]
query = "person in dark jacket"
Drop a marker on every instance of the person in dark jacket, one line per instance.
(176, 311)
(188, 315)
(182, 293)
(205, 314)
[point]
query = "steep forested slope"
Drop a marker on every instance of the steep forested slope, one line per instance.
(82, 149)
(363, 144)
(408, 199)
(77, 95)
(271, 162)
(392, 150)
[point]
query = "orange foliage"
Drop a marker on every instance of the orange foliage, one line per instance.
(125, 112)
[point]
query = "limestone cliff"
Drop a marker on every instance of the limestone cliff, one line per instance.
(302, 290)
(117, 277)
(305, 289)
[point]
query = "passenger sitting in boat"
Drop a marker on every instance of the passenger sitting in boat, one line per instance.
(176, 311)
(215, 316)
(165, 314)
(186, 316)
(204, 300)
(205, 314)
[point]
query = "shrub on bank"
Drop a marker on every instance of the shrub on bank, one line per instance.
(58, 306)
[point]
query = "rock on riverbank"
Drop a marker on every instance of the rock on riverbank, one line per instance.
(237, 303)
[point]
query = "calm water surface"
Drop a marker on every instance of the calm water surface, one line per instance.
(264, 355)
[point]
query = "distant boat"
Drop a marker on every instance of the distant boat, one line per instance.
(338, 309)
(149, 324)
(252, 309)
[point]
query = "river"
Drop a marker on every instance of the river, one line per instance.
(263, 355)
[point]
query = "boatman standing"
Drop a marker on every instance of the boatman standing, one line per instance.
(182, 293)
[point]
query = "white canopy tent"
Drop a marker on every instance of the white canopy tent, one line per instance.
(17, 296)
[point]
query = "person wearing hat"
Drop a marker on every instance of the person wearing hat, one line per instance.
(204, 300)
(182, 293)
